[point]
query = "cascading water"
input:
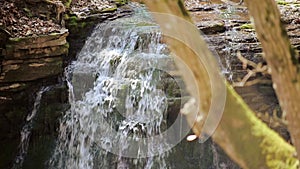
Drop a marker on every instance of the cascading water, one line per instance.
(26, 130)
(117, 100)
(234, 41)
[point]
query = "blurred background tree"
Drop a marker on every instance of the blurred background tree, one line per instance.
(247, 140)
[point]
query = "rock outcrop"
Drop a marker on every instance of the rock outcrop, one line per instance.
(29, 62)
(32, 58)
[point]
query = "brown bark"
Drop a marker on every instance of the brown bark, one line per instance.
(188, 47)
(250, 142)
(281, 59)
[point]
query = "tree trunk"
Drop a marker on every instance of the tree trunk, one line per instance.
(240, 133)
(250, 142)
(281, 59)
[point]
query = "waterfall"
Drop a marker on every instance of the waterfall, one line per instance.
(26, 130)
(118, 99)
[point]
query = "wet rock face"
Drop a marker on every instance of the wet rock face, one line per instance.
(14, 109)
(32, 58)
(26, 61)
(237, 34)
(81, 27)
(33, 69)
(27, 64)
(211, 27)
(23, 62)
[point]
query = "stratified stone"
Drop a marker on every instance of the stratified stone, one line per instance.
(32, 69)
(36, 47)
(211, 27)
(11, 87)
(31, 58)
(37, 52)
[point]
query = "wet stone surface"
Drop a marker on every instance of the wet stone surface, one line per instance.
(29, 62)
(227, 30)
(237, 34)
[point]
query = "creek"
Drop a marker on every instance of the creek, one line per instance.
(124, 97)
(117, 104)
(124, 102)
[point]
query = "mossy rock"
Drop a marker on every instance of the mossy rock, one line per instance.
(246, 26)
(282, 2)
(71, 20)
(112, 9)
(22, 43)
(67, 3)
(120, 2)
(77, 25)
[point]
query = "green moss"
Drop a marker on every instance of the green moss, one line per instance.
(67, 45)
(73, 20)
(54, 33)
(120, 2)
(68, 3)
(8, 47)
(145, 24)
(82, 24)
(66, 17)
(280, 2)
(246, 26)
(247, 130)
(279, 155)
(109, 9)
(15, 39)
(283, 2)
(28, 12)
